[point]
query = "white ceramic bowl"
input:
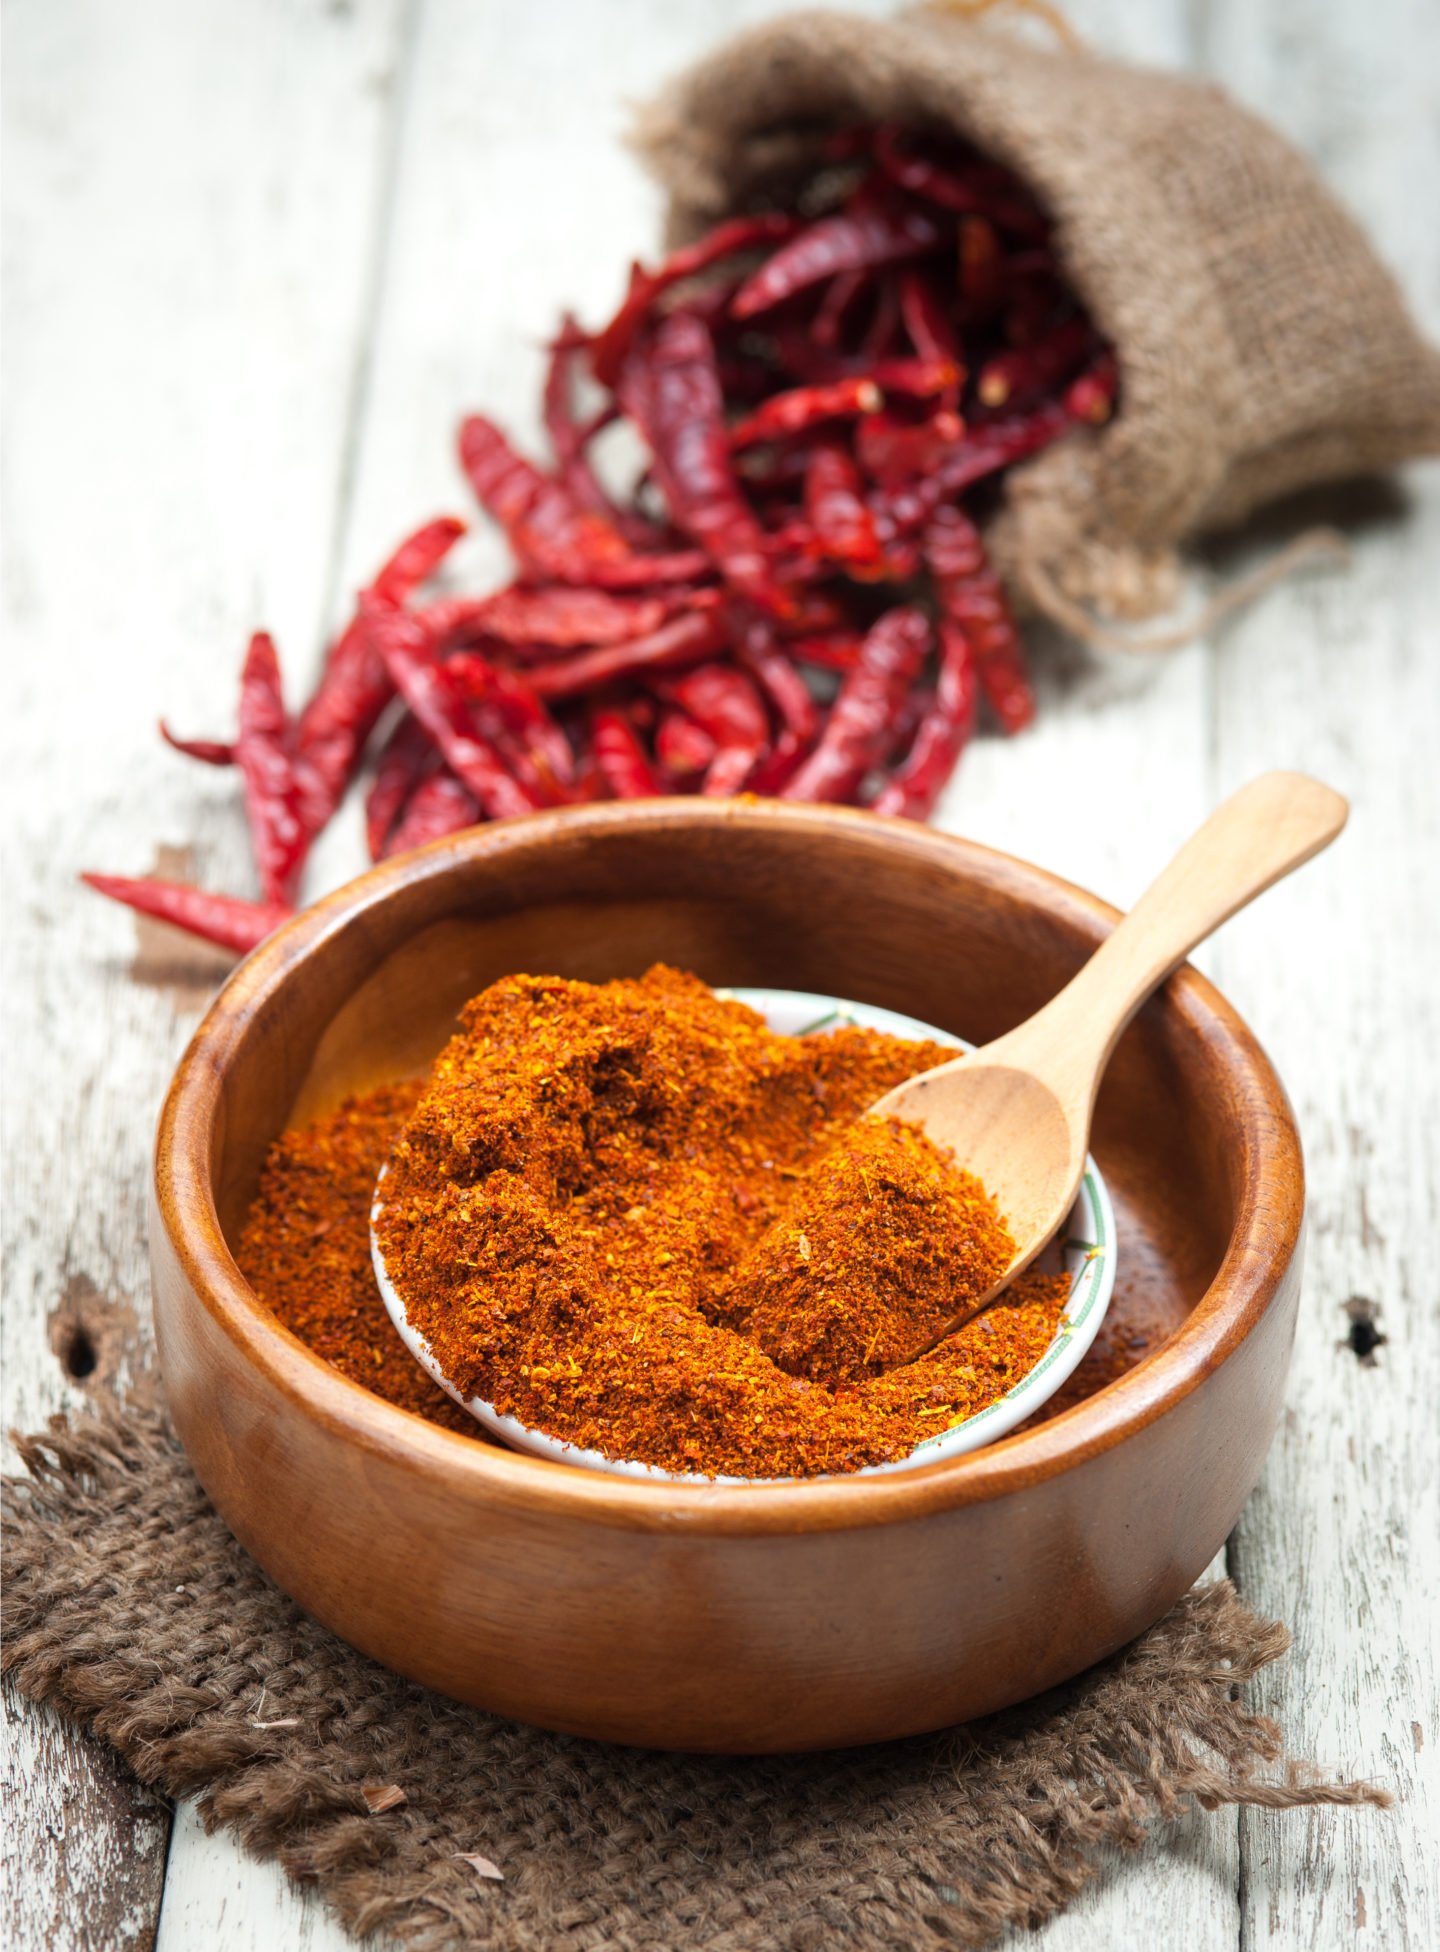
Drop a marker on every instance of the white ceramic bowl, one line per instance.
(1085, 1250)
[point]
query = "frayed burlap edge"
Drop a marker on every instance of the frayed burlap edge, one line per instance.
(131, 1609)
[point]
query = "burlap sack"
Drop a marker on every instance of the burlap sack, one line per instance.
(1262, 346)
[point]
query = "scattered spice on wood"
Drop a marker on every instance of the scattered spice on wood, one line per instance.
(820, 389)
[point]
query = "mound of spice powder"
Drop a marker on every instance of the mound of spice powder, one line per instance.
(884, 1241)
(305, 1250)
(634, 1217)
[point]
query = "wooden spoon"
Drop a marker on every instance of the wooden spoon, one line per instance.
(1017, 1113)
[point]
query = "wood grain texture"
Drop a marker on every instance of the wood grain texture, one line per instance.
(218, 1897)
(324, 290)
(190, 199)
(84, 1846)
(1343, 1538)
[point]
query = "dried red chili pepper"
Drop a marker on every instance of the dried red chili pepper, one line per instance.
(794, 551)
(663, 569)
(621, 756)
(926, 317)
(440, 805)
(672, 391)
(882, 335)
(908, 721)
(405, 758)
(550, 535)
(568, 439)
(871, 234)
(779, 680)
(683, 748)
(546, 528)
(802, 407)
(439, 702)
(683, 640)
(726, 704)
(453, 622)
(965, 186)
(840, 295)
(223, 919)
(523, 721)
(971, 597)
(735, 234)
(1027, 372)
(788, 693)
(894, 451)
(1091, 395)
(562, 619)
(836, 509)
(210, 752)
(859, 732)
(418, 558)
(942, 734)
(980, 451)
(275, 796)
(917, 379)
(335, 726)
(355, 688)
(833, 651)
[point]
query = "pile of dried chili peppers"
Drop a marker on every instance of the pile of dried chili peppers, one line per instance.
(792, 598)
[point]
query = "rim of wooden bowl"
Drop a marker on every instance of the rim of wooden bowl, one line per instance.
(1266, 1232)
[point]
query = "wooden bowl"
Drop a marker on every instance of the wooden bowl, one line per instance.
(738, 1619)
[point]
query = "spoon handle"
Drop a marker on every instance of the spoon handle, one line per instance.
(1250, 842)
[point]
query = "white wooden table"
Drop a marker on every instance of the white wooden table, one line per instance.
(258, 258)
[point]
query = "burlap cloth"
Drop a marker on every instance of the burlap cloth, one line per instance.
(129, 1607)
(1262, 346)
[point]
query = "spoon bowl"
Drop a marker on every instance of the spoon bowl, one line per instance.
(1088, 1255)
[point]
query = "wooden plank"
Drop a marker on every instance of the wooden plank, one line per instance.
(218, 1897)
(190, 201)
(1337, 976)
(500, 213)
(82, 1845)
(1337, 973)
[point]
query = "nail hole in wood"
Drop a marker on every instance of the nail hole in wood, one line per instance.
(77, 1354)
(94, 1335)
(1363, 1337)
